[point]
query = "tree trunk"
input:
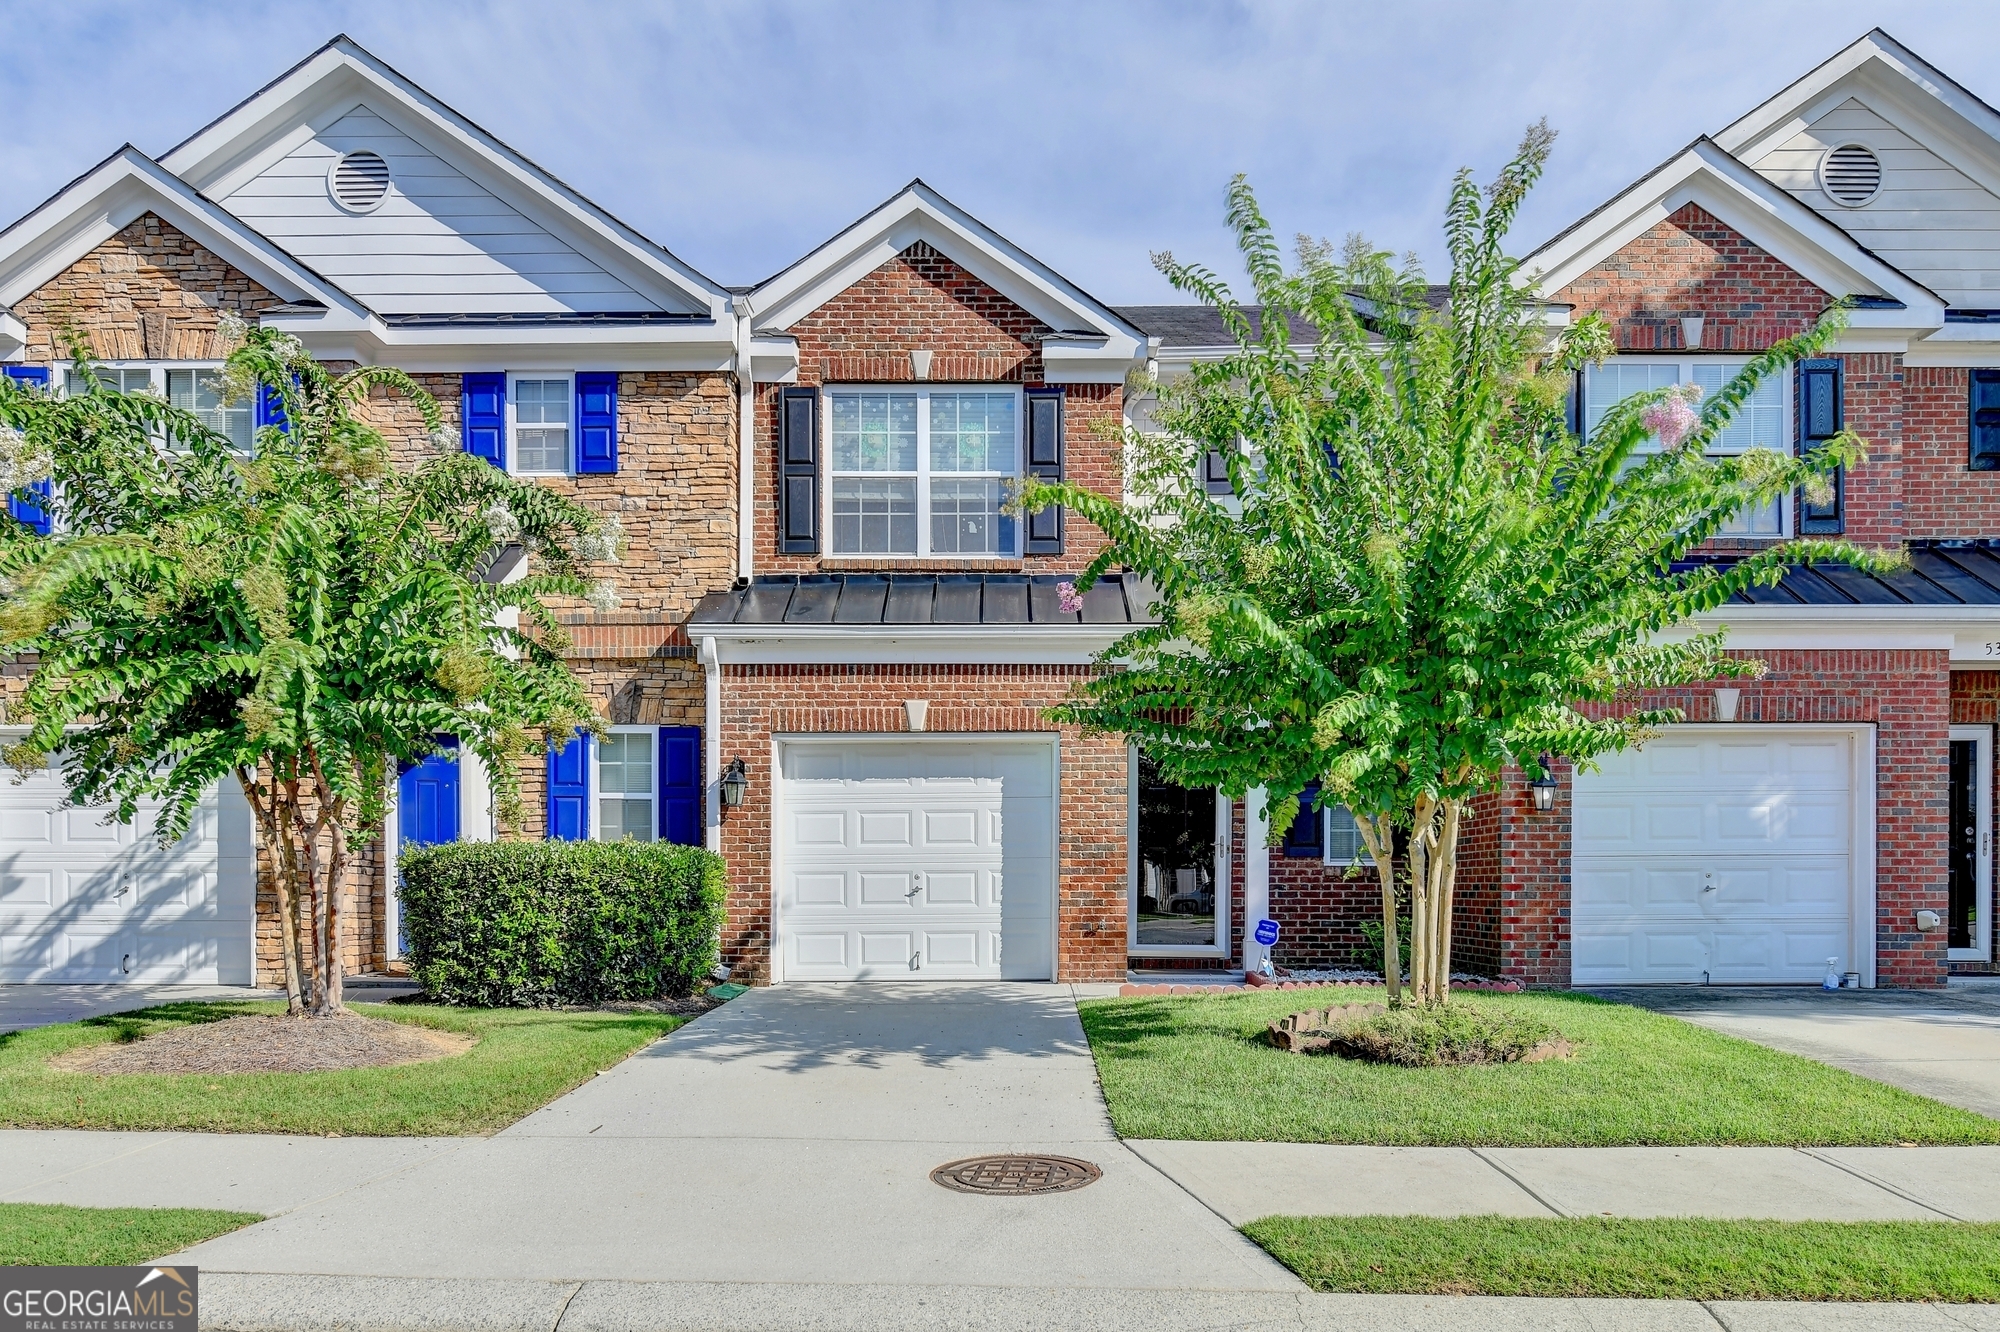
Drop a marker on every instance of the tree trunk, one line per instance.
(1447, 881)
(264, 805)
(1379, 835)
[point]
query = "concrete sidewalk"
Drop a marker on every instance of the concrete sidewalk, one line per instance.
(1243, 1181)
(25, 1006)
(350, 1304)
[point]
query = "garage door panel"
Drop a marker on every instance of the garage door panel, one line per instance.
(1721, 856)
(942, 869)
(25, 829)
(27, 888)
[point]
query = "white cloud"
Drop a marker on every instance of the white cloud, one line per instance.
(740, 134)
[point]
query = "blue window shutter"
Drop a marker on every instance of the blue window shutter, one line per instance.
(596, 422)
(1306, 836)
(798, 471)
(270, 408)
(680, 785)
(483, 411)
(1983, 427)
(25, 511)
(569, 790)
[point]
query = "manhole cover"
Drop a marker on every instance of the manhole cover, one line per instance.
(1016, 1174)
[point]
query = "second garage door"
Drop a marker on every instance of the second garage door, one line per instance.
(1718, 856)
(916, 860)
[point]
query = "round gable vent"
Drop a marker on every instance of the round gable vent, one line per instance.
(360, 181)
(1851, 174)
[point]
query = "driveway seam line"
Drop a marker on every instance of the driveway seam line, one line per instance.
(1720, 1321)
(163, 1139)
(1883, 1185)
(1518, 1182)
(562, 1313)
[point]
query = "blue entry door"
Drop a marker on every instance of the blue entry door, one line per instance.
(427, 800)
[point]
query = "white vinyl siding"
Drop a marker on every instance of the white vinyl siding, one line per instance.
(539, 409)
(1762, 422)
(626, 794)
(440, 243)
(922, 472)
(1929, 219)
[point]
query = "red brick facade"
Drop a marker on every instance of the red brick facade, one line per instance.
(1695, 264)
(759, 702)
(923, 301)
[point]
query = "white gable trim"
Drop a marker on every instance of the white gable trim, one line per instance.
(1895, 83)
(125, 186)
(1707, 176)
(1097, 346)
(275, 120)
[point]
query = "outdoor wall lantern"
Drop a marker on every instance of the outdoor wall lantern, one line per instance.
(1544, 786)
(734, 784)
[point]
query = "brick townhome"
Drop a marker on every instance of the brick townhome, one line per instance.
(824, 588)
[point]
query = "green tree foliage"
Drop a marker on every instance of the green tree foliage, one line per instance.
(300, 621)
(1422, 575)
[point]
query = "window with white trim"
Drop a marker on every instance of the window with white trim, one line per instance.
(923, 472)
(192, 388)
(1764, 421)
(627, 796)
(539, 407)
(1343, 838)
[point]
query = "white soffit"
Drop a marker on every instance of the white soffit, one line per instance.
(1900, 86)
(1097, 339)
(119, 190)
(1766, 215)
(288, 112)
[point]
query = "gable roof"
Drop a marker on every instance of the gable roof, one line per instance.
(329, 85)
(1705, 174)
(123, 187)
(1089, 341)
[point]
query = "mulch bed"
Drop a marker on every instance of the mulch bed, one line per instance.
(270, 1045)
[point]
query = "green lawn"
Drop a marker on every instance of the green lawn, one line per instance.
(524, 1059)
(1195, 1067)
(48, 1235)
(1659, 1259)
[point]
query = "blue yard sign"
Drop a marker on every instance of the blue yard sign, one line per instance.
(1266, 932)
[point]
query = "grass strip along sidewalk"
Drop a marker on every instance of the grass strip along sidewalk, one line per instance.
(1196, 1067)
(523, 1060)
(1656, 1259)
(51, 1235)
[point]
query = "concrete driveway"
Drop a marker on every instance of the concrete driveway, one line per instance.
(25, 1006)
(1944, 1044)
(788, 1137)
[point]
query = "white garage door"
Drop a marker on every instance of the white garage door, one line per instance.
(1718, 856)
(916, 860)
(83, 901)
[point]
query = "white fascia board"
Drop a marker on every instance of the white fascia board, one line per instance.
(1970, 633)
(1896, 84)
(1087, 363)
(920, 213)
(1053, 645)
(13, 335)
(1766, 215)
(774, 360)
(459, 350)
(265, 127)
(119, 190)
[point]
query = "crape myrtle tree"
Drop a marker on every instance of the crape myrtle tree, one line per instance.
(300, 620)
(1422, 575)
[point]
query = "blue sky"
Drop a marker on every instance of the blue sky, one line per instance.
(741, 134)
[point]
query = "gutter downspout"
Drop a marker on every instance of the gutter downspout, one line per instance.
(711, 661)
(1256, 874)
(746, 442)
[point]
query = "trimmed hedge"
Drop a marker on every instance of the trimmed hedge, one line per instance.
(545, 924)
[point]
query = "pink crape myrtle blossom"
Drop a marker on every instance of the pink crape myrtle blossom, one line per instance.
(1673, 418)
(1067, 598)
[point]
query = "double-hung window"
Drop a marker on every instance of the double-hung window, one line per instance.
(196, 389)
(540, 406)
(924, 472)
(1761, 422)
(1343, 839)
(625, 790)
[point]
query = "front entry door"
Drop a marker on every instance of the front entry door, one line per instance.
(426, 814)
(1968, 914)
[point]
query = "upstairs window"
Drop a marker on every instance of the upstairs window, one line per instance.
(1983, 422)
(200, 392)
(1762, 422)
(924, 472)
(541, 407)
